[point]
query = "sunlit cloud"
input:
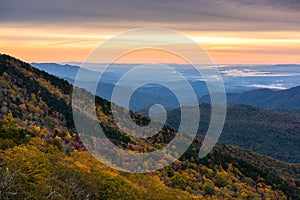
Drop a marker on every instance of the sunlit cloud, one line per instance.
(272, 86)
(252, 73)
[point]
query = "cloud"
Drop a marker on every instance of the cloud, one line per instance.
(278, 4)
(272, 86)
(192, 14)
(253, 73)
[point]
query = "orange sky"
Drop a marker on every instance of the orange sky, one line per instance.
(47, 45)
(232, 32)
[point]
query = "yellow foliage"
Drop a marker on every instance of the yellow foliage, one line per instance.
(37, 109)
(82, 166)
(33, 97)
(23, 107)
(58, 138)
(37, 129)
(69, 136)
(4, 74)
(230, 167)
(10, 117)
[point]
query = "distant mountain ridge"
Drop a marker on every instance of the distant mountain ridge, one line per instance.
(59, 70)
(144, 97)
(280, 100)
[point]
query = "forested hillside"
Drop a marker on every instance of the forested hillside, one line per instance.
(42, 156)
(255, 129)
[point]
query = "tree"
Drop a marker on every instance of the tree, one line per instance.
(10, 121)
(221, 179)
(4, 74)
(10, 118)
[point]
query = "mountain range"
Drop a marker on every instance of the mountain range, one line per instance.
(272, 99)
(280, 100)
(42, 155)
(246, 126)
(255, 129)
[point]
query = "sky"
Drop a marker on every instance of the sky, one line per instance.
(231, 31)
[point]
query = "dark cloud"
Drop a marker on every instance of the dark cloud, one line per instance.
(278, 4)
(191, 14)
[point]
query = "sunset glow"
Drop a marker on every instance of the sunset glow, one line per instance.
(264, 33)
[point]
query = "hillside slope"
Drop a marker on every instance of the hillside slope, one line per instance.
(255, 129)
(42, 157)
